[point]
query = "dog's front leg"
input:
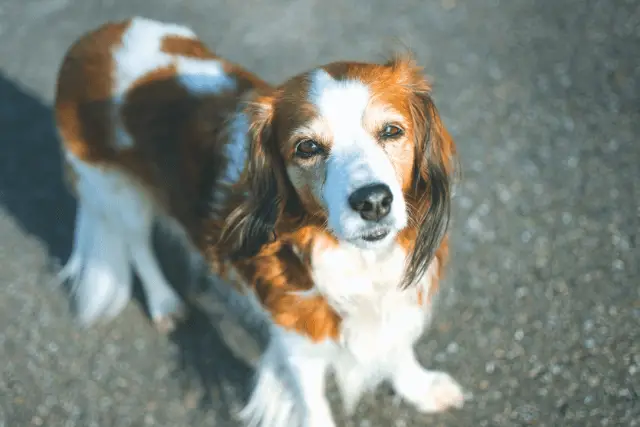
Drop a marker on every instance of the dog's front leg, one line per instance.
(290, 385)
(429, 391)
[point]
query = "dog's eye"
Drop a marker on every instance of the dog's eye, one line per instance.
(391, 131)
(307, 148)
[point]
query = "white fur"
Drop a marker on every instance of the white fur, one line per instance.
(380, 325)
(202, 76)
(113, 235)
(236, 155)
(355, 160)
(97, 267)
(290, 384)
(140, 53)
(236, 149)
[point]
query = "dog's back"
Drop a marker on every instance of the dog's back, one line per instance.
(149, 118)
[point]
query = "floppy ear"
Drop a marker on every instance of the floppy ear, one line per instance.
(252, 223)
(433, 175)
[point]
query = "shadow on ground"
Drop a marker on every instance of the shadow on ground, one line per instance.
(33, 193)
(31, 187)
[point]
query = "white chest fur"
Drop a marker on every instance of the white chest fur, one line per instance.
(380, 324)
(379, 318)
(363, 287)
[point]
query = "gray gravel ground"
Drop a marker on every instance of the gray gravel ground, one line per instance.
(540, 317)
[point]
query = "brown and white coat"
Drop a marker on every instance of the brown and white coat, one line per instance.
(326, 199)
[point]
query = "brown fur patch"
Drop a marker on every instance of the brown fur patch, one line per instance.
(157, 114)
(279, 271)
(83, 93)
(185, 46)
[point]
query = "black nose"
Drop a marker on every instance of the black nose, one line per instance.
(372, 202)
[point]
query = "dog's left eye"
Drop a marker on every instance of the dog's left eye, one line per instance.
(390, 131)
(308, 148)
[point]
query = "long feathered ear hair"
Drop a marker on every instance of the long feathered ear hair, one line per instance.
(434, 170)
(252, 223)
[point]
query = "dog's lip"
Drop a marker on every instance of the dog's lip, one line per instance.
(375, 235)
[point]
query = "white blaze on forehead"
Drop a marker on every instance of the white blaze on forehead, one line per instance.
(356, 158)
(341, 103)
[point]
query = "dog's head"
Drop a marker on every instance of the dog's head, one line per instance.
(361, 149)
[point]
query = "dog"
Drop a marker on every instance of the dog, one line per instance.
(325, 201)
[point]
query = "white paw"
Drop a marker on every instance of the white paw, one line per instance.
(441, 393)
(166, 314)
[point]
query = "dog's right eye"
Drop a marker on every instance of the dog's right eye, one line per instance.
(308, 148)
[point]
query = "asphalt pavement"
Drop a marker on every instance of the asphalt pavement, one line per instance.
(539, 317)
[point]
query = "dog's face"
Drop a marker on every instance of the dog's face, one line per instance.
(357, 146)
(349, 155)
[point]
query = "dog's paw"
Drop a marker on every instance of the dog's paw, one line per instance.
(167, 315)
(442, 392)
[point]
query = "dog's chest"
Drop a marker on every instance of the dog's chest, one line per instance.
(377, 316)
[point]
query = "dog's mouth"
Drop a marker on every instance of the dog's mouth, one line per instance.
(376, 235)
